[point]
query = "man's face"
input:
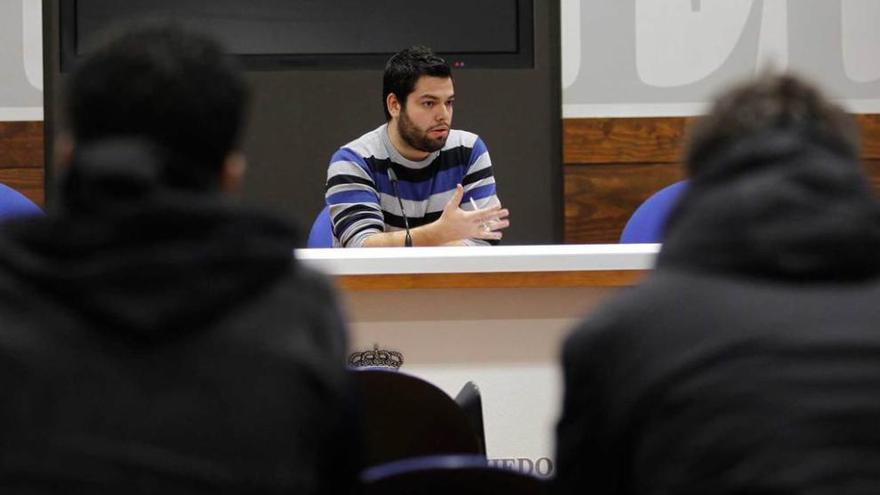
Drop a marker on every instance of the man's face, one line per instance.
(424, 122)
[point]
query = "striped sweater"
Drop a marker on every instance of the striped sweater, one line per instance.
(362, 200)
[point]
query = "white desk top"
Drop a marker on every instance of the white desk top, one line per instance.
(541, 258)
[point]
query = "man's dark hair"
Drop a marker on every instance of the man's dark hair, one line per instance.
(772, 102)
(404, 68)
(176, 89)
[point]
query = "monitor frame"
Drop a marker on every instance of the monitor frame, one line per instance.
(522, 58)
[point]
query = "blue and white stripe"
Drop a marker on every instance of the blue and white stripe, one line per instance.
(362, 200)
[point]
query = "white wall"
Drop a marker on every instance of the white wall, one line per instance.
(626, 58)
(21, 60)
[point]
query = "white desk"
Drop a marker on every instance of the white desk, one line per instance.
(493, 315)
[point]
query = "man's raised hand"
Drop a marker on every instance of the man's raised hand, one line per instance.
(457, 224)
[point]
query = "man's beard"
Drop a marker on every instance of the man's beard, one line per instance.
(417, 138)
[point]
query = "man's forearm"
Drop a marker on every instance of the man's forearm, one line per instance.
(426, 235)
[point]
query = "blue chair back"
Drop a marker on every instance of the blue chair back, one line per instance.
(13, 204)
(458, 474)
(648, 222)
(440, 462)
(321, 234)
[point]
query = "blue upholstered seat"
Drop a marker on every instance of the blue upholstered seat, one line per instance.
(321, 234)
(647, 223)
(13, 204)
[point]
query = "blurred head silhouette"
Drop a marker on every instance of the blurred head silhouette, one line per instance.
(173, 89)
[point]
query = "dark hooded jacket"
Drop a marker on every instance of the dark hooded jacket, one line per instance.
(748, 362)
(156, 340)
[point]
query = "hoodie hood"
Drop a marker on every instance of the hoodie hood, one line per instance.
(784, 205)
(139, 258)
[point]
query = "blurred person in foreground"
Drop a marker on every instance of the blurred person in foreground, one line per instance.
(156, 337)
(749, 360)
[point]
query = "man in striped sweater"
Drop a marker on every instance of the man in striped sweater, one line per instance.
(414, 169)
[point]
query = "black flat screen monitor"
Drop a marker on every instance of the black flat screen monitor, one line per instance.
(322, 34)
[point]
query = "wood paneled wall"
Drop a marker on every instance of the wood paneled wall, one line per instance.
(611, 165)
(22, 158)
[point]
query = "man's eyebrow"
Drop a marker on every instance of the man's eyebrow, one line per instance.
(432, 97)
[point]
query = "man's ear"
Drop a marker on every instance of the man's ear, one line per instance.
(232, 175)
(64, 147)
(393, 105)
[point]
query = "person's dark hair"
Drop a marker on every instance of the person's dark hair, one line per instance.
(772, 102)
(404, 68)
(176, 89)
